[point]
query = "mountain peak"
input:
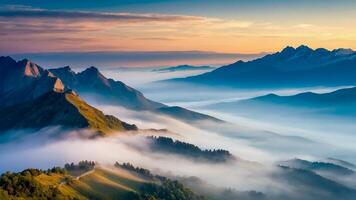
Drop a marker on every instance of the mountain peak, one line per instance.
(91, 72)
(30, 68)
(291, 50)
(7, 59)
(343, 51)
(92, 69)
(288, 48)
(303, 47)
(66, 68)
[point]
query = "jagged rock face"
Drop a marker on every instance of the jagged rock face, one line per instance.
(31, 69)
(24, 80)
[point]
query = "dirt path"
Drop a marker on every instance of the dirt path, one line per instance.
(84, 174)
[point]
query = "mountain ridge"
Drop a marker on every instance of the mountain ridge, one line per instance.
(92, 82)
(182, 68)
(64, 109)
(340, 102)
(24, 80)
(291, 67)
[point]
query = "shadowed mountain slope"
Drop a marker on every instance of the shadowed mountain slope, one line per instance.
(92, 82)
(64, 109)
(23, 80)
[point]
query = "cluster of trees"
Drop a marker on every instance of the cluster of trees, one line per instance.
(169, 145)
(167, 190)
(144, 173)
(24, 185)
(84, 165)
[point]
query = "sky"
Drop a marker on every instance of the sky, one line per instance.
(229, 26)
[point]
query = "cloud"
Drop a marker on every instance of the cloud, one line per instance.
(157, 38)
(84, 15)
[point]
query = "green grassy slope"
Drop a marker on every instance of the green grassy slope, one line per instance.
(101, 183)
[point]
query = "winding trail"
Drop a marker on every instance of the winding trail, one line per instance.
(84, 174)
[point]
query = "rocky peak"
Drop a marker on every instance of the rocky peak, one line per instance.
(92, 73)
(91, 70)
(58, 86)
(29, 68)
(288, 50)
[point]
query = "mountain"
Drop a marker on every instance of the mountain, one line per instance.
(319, 167)
(182, 68)
(341, 102)
(291, 67)
(92, 82)
(23, 80)
(64, 109)
(310, 185)
(185, 114)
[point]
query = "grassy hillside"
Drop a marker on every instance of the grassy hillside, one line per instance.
(97, 183)
(95, 118)
(64, 109)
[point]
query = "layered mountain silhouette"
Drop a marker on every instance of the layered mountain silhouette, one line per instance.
(319, 167)
(65, 109)
(313, 186)
(33, 97)
(340, 102)
(94, 84)
(291, 67)
(22, 81)
(182, 68)
(185, 114)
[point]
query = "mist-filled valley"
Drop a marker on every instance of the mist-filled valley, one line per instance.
(211, 139)
(177, 100)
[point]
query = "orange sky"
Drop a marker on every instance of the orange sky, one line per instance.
(42, 30)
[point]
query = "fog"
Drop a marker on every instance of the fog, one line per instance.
(258, 142)
(37, 152)
(258, 148)
(139, 76)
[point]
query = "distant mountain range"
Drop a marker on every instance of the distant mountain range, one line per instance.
(182, 68)
(319, 167)
(291, 67)
(341, 102)
(33, 97)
